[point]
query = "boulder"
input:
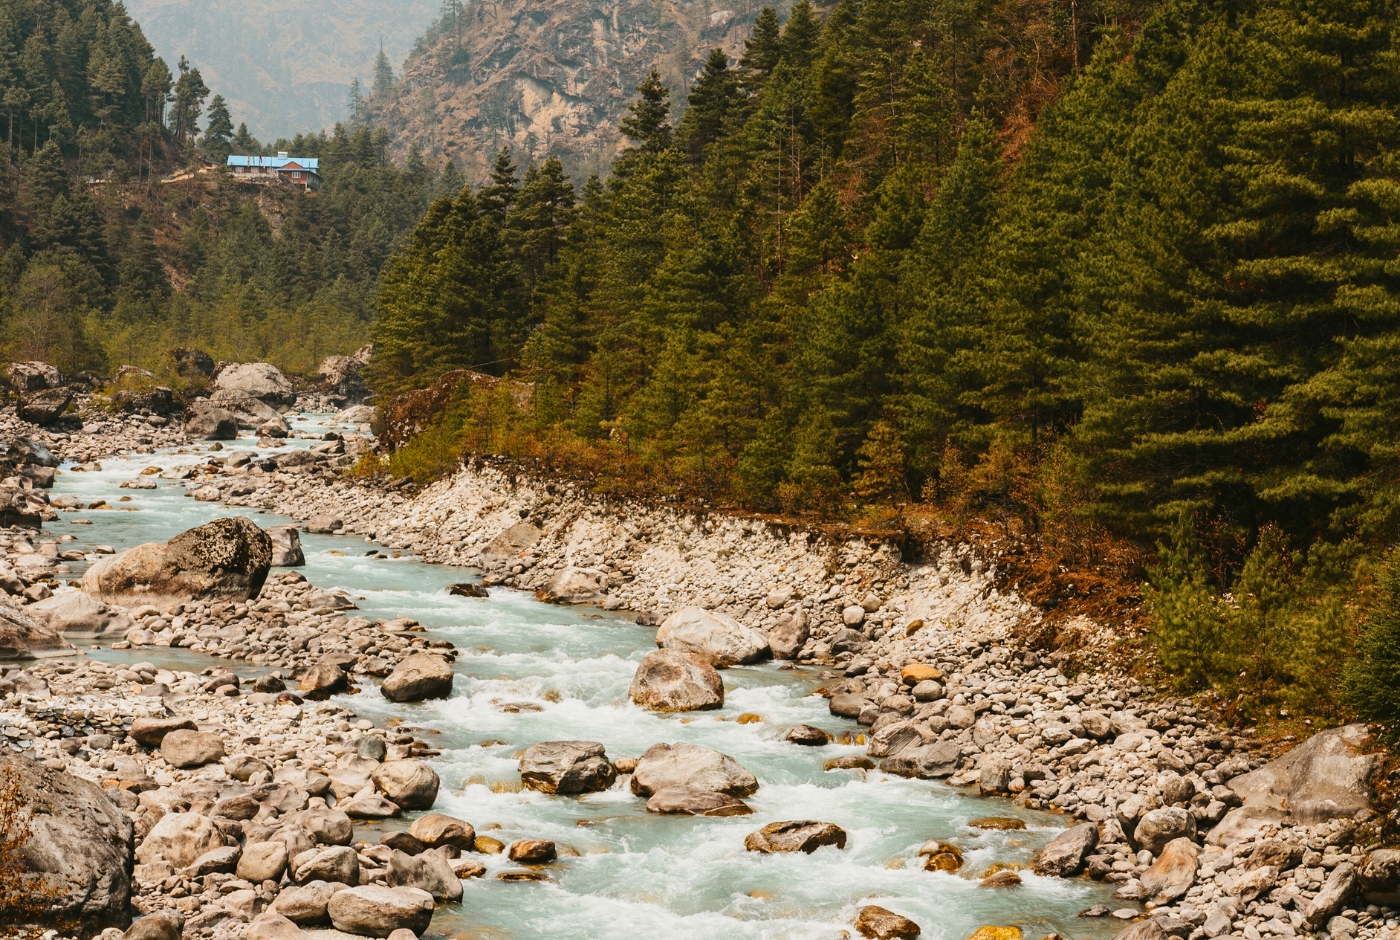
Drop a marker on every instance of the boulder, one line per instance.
(325, 678)
(343, 377)
(676, 681)
(150, 732)
(227, 559)
(410, 783)
(1378, 878)
(437, 829)
(211, 424)
(305, 904)
(78, 855)
(368, 806)
(566, 767)
(467, 589)
(179, 839)
(32, 452)
(374, 911)
(807, 736)
(510, 544)
(323, 523)
(286, 547)
(158, 925)
(877, 923)
(46, 407)
(1160, 826)
(1064, 856)
(327, 826)
(334, 863)
(418, 677)
(222, 860)
(693, 766)
(263, 861)
(788, 637)
(533, 851)
(33, 376)
(74, 612)
(803, 835)
(1149, 929)
(721, 639)
(260, 380)
(185, 748)
(1335, 891)
(929, 762)
(1327, 776)
(1173, 873)
(23, 637)
(893, 737)
(429, 871)
(269, 925)
(685, 801)
(570, 585)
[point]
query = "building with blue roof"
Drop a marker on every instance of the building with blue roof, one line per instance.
(296, 171)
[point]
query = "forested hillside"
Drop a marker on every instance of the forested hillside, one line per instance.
(867, 268)
(104, 264)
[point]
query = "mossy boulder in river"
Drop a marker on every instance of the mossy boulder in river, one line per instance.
(227, 559)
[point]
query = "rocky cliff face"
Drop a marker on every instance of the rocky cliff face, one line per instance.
(551, 76)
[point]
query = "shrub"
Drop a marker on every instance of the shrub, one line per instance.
(1372, 682)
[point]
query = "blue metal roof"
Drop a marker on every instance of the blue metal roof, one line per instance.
(276, 163)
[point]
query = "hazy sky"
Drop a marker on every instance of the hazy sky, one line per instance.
(284, 66)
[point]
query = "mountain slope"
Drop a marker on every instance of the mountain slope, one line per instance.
(285, 66)
(549, 76)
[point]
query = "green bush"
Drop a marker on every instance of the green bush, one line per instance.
(1372, 682)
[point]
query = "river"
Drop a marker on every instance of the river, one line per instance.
(532, 672)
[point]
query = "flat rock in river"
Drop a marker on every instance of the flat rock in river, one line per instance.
(802, 835)
(690, 765)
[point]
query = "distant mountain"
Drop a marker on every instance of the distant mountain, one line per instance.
(550, 76)
(284, 66)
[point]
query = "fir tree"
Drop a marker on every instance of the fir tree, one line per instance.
(218, 133)
(497, 197)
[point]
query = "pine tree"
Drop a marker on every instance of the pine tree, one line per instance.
(714, 99)
(800, 36)
(763, 48)
(384, 89)
(645, 124)
(219, 132)
(190, 92)
(497, 197)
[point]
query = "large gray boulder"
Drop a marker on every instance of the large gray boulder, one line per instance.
(179, 839)
(927, 762)
(428, 871)
(1379, 877)
(343, 376)
(185, 748)
(676, 681)
(788, 637)
(78, 613)
(1327, 776)
(411, 784)
(1064, 856)
(571, 585)
(24, 637)
(33, 376)
(721, 639)
(374, 911)
(566, 767)
(78, 857)
(249, 413)
(1160, 826)
(45, 407)
(227, 559)
(693, 766)
(260, 380)
(286, 547)
(509, 544)
(211, 424)
(418, 677)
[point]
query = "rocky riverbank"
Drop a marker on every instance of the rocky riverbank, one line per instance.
(1187, 819)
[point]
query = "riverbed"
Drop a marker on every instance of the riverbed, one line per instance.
(530, 672)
